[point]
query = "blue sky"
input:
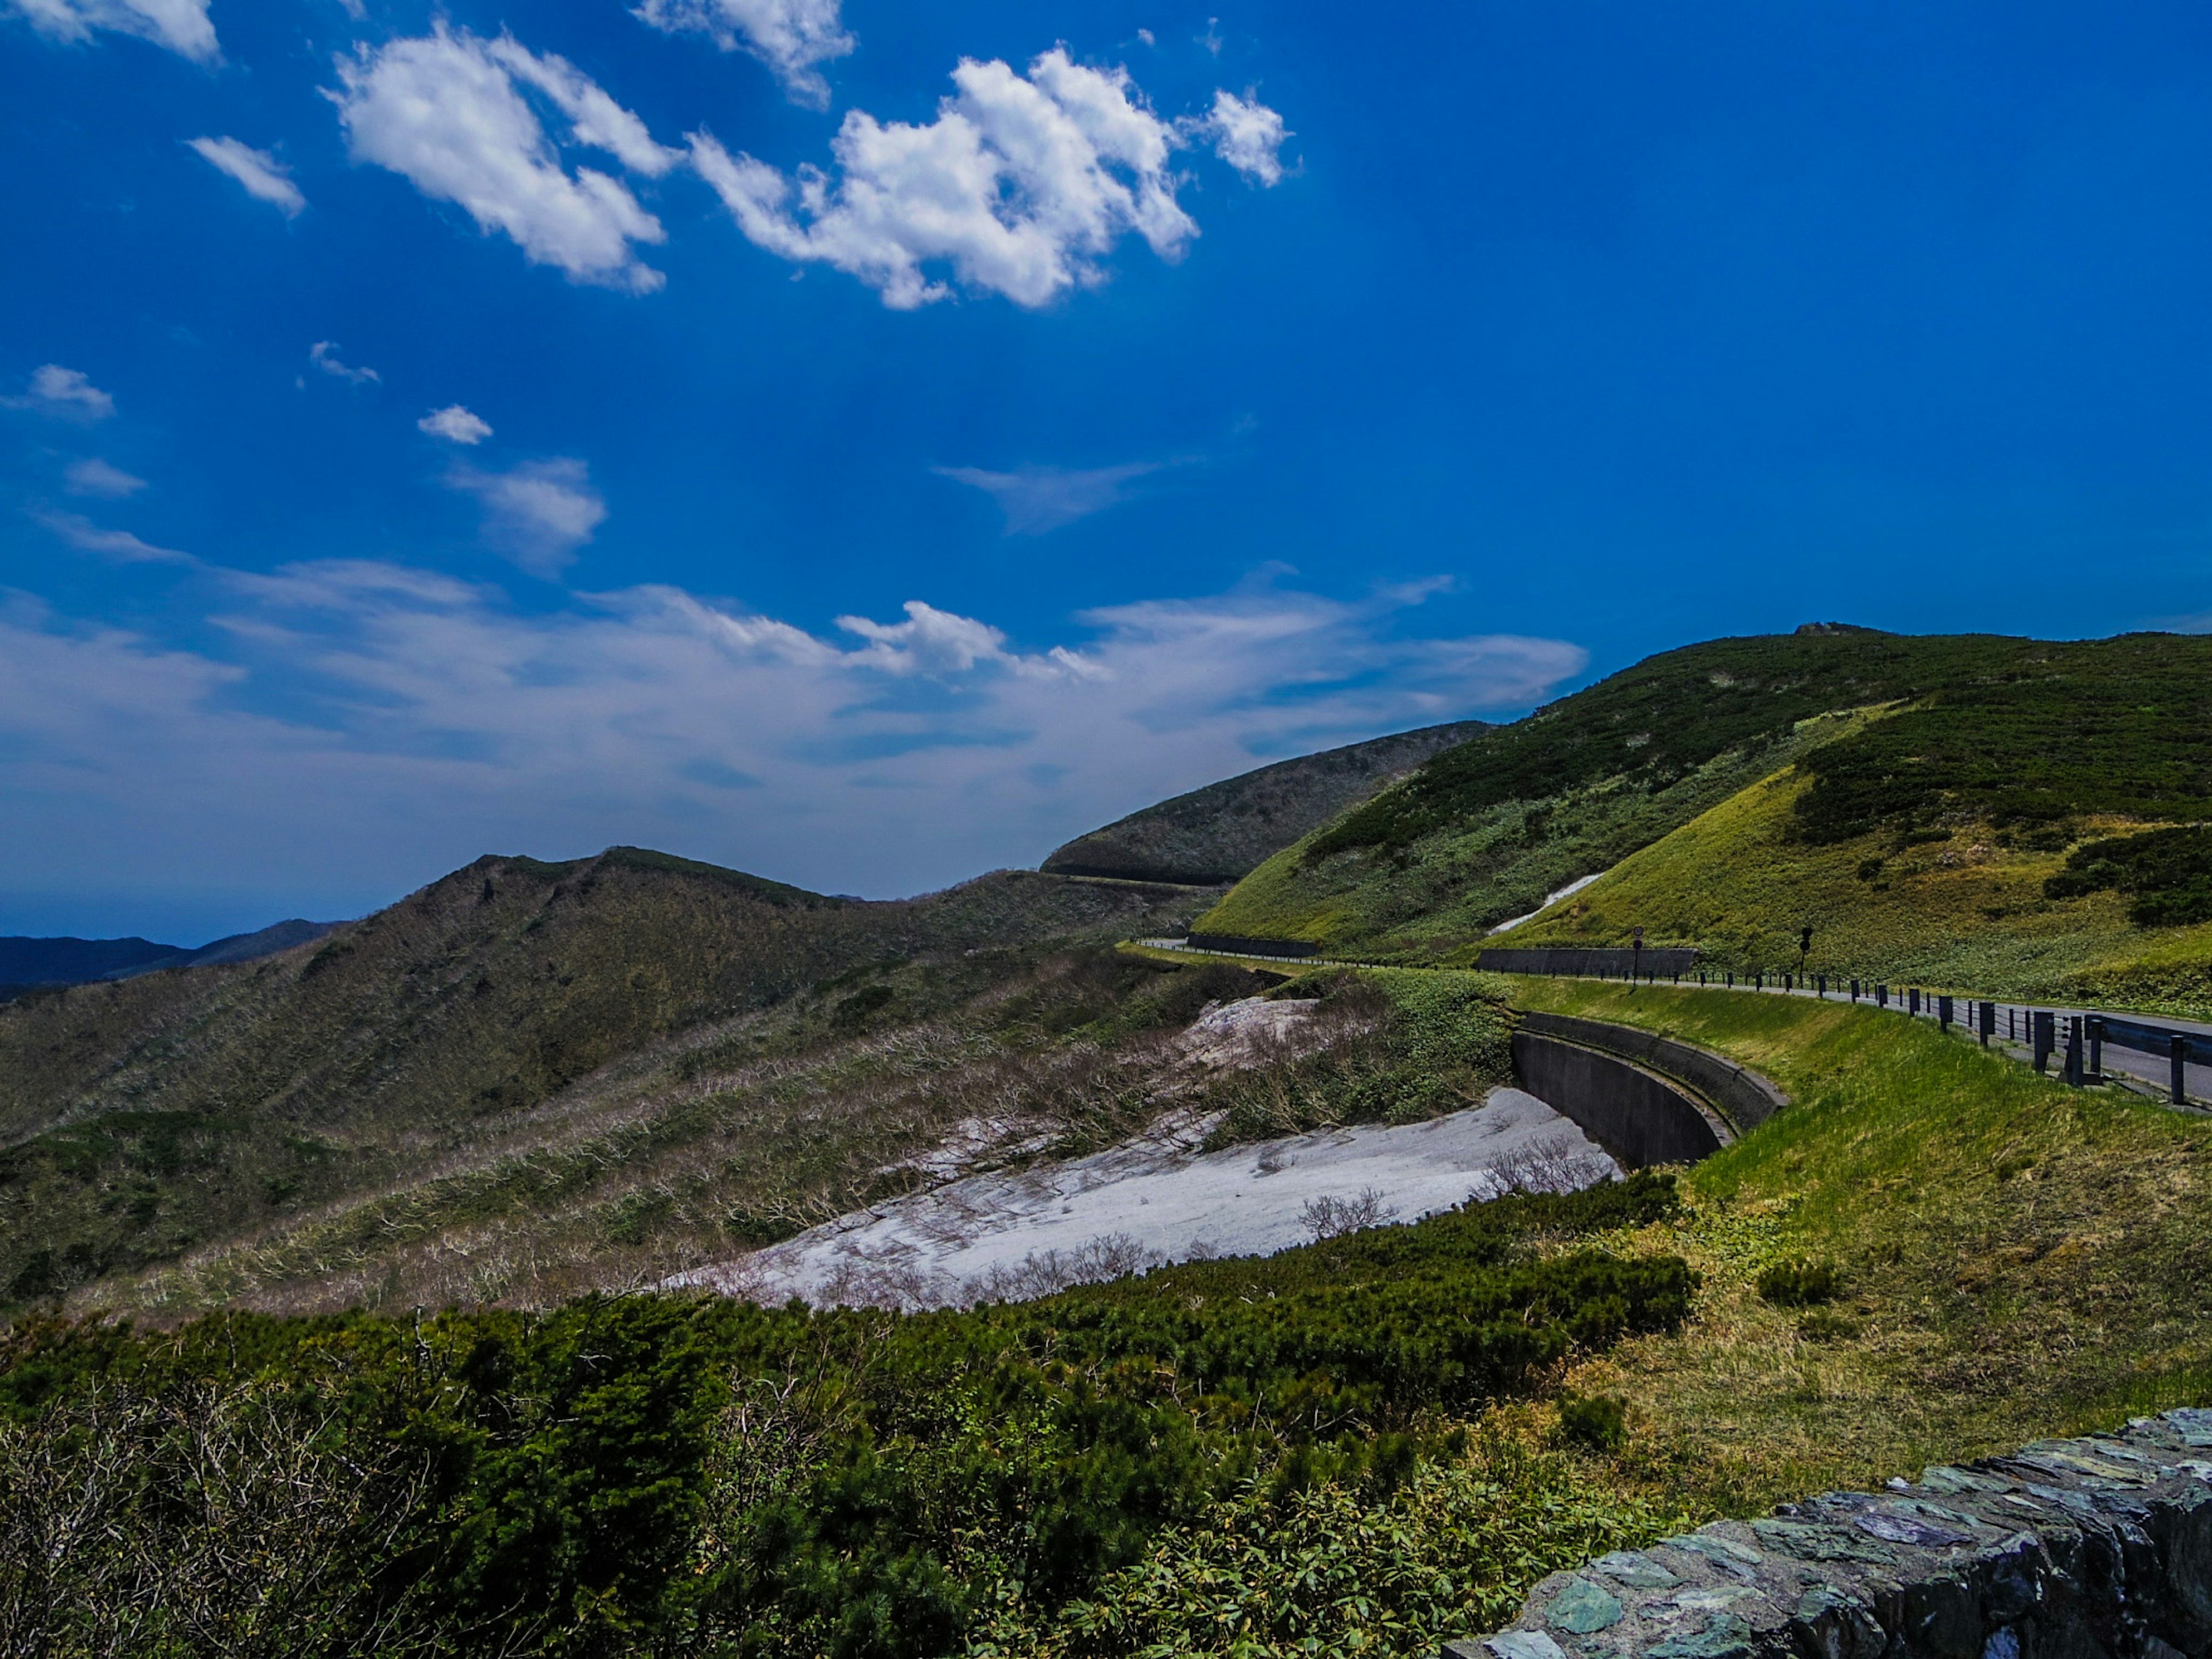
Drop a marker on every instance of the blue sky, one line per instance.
(868, 444)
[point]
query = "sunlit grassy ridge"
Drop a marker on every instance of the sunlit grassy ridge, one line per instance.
(1966, 908)
(1976, 748)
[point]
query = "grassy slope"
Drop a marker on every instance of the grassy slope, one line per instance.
(146, 1119)
(1218, 834)
(2020, 1259)
(1965, 909)
(2033, 738)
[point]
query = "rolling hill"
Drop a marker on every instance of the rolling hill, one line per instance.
(144, 1118)
(1211, 836)
(1914, 799)
(26, 964)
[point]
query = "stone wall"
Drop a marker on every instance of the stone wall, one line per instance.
(2097, 1548)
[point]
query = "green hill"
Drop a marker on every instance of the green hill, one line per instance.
(1215, 835)
(1913, 797)
(145, 1118)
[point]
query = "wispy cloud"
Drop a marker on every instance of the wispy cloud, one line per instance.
(93, 476)
(455, 424)
(1036, 499)
(65, 392)
(120, 545)
(891, 755)
(182, 26)
(449, 112)
(790, 36)
(1021, 186)
(324, 354)
(260, 174)
(537, 514)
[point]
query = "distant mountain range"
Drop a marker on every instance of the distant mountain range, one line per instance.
(1223, 832)
(27, 964)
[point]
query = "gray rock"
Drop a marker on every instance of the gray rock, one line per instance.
(1583, 1608)
(2096, 1548)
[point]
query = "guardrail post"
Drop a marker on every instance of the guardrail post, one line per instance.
(1881, 996)
(1759, 979)
(2178, 1052)
(2041, 1024)
(2096, 1030)
(2073, 1051)
(1855, 990)
(1989, 1022)
(1943, 1012)
(1912, 1002)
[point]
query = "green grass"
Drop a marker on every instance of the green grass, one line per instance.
(2017, 1259)
(1969, 909)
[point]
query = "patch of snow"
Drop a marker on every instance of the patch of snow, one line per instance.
(1253, 1030)
(1550, 899)
(1009, 1234)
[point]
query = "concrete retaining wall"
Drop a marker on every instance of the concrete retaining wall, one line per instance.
(2097, 1548)
(1740, 1095)
(1662, 960)
(1640, 1118)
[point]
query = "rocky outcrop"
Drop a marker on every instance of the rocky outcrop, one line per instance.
(2068, 1549)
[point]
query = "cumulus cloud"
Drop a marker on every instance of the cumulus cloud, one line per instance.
(447, 112)
(538, 513)
(1246, 135)
(1036, 499)
(324, 354)
(65, 392)
(1020, 186)
(120, 545)
(890, 756)
(261, 175)
(790, 36)
(182, 26)
(93, 476)
(455, 424)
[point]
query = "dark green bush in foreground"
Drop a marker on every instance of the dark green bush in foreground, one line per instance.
(1801, 1283)
(662, 1474)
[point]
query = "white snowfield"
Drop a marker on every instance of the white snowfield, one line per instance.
(1009, 1236)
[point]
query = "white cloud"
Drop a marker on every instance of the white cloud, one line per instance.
(538, 513)
(456, 424)
(324, 354)
(447, 111)
(66, 391)
(182, 26)
(93, 476)
(790, 36)
(1246, 135)
(1036, 499)
(1021, 186)
(893, 757)
(263, 176)
(120, 545)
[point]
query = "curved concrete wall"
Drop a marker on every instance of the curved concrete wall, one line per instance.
(1742, 1097)
(1638, 1117)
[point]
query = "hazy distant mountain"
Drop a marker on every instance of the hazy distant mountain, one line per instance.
(1222, 832)
(26, 963)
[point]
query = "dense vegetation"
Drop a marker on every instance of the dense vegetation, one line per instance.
(2119, 727)
(667, 1475)
(1217, 834)
(2165, 873)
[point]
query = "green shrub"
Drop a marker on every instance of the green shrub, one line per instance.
(2167, 873)
(1598, 1421)
(1801, 1283)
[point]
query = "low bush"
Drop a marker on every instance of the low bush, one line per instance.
(1598, 1421)
(1801, 1283)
